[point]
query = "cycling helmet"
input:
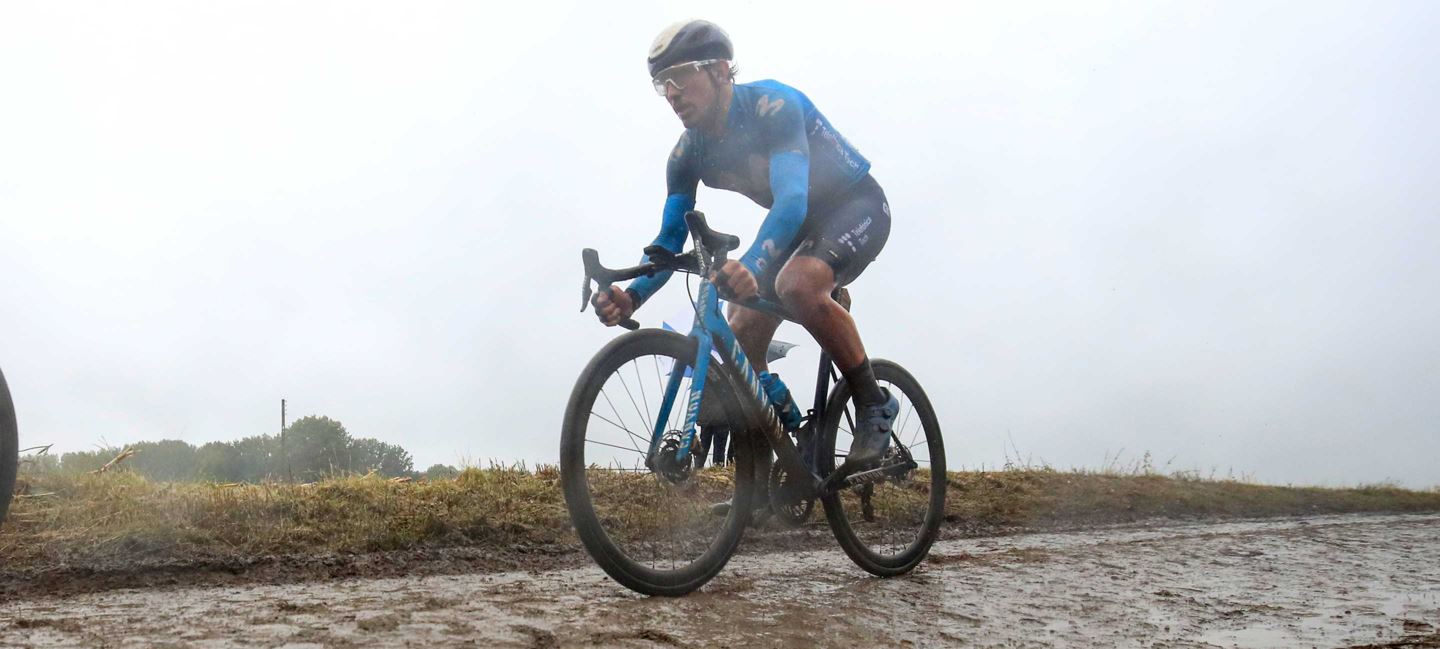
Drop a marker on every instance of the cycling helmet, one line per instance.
(690, 40)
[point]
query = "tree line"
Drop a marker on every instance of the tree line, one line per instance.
(309, 449)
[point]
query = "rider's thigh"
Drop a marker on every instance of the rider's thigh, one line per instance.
(851, 232)
(804, 282)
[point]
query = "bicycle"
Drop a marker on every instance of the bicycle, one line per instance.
(9, 448)
(644, 512)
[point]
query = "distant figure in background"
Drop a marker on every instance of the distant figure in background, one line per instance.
(714, 432)
(713, 439)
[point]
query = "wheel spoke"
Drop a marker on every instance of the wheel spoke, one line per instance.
(625, 385)
(644, 441)
(615, 411)
(644, 398)
(596, 441)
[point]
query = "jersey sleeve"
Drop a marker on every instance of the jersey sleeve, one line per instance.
(780, 115)
(681, 181)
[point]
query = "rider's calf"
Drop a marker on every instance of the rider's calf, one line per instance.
(753, 329)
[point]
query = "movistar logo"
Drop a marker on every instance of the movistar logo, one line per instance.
(766, 109)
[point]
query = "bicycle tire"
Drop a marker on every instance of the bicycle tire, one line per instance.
(611, 554)
(9, 448)
(841, 507)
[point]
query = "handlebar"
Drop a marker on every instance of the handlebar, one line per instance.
(605, 277)
(660, 260)
(709, 251)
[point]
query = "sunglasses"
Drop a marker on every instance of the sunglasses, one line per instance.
(678, 75)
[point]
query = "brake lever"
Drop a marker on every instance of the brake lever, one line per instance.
(586, 294)
(591, 260)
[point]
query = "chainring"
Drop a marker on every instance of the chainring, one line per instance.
(792, 499)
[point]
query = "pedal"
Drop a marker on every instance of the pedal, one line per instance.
(867, 477)
(842, 479)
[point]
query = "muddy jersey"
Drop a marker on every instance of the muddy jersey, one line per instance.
(778, 150)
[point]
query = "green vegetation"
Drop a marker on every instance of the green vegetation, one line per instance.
(122, 517)
(310, 449)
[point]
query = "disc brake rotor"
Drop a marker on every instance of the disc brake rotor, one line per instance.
(667, 462)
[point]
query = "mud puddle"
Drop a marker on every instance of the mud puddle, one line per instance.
(1333, 581)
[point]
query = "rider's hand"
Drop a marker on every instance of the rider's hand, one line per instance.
(613, 306)
(735, 282)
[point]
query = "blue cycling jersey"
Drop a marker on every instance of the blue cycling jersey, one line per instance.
(778, 150)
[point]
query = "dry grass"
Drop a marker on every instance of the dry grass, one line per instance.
(87, 519)
(117, 516)
(1043, 497)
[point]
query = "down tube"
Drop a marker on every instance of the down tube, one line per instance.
(726, 338)
(779, 442)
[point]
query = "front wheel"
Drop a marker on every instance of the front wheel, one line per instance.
(887, 526)
(9, 447)
(651, 527)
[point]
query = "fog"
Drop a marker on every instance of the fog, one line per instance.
(1203, 232)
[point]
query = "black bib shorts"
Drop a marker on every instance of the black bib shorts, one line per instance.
(846, 232)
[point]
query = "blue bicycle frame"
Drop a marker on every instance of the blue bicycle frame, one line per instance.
(713, 333)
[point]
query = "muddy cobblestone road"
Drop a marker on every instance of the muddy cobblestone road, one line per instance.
(1327, 582)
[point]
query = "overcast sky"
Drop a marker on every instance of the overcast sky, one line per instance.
(1206, 231)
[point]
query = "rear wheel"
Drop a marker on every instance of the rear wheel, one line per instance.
(651, 529)
(9, 447)
(887, 526)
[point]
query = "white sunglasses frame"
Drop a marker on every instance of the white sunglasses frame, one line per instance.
(661, 80)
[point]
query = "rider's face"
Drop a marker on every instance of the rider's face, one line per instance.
(695, 104)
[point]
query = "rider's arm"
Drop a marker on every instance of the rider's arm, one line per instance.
(784, 129)
(681, 182)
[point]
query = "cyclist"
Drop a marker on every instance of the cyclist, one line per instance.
(827, 219)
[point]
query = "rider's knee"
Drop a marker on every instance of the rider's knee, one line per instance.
(805, 284)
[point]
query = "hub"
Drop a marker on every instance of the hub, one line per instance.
(667, 459)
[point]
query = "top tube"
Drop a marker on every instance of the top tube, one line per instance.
(766, 306)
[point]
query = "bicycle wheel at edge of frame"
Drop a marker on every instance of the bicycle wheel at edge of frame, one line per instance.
(858, 551)
(9, 447)
(574, 470)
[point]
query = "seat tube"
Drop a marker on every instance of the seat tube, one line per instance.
(822, 383)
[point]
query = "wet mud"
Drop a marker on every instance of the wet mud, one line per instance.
(1337, 581)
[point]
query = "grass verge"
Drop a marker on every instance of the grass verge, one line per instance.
(112, 519)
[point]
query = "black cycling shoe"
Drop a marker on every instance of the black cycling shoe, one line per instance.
(873, 424)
